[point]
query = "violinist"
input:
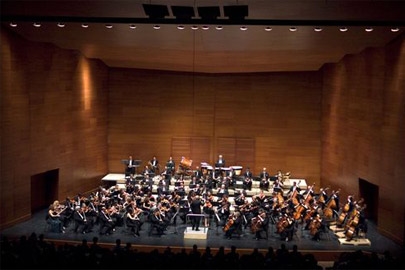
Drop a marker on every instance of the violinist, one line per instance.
(82, 225)
(133, 220)
(53, 219)
(157, 222)
(107, 225)
(233, 225)
(247, 183)
(208, 210)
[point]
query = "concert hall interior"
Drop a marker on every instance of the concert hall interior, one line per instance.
(244, 124)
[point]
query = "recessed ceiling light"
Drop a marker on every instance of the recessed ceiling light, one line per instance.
(268, 29)
(85, 25)
(61, 25)
(243, 28)
(156, 27)
(13, 24)
(37, 24)
(205, 27)
(194, 27)
(132, 26)
(109, 26)
(369, 29)
(180, 27)
(293, 29)
(318, 29)
(343, 29)
(395, 29)
(219, 27)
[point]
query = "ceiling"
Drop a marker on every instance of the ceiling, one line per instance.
(229, 50)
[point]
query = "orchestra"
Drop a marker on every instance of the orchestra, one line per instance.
(158, 202)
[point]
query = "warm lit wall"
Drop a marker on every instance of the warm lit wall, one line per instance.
(53, 116)
(257, 120)
(363, 129)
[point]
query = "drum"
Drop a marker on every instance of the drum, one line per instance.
(237, 170)
(185, 162)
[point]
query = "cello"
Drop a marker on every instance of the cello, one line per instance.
(229, 223)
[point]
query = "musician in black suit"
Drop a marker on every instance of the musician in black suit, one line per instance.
(170, 164)
(157, 222)
(154, 165)
(220, 162)
(197, 173)
(233, 225)
(248, 173)
(195, 207)
(260, 224)
(130, 166)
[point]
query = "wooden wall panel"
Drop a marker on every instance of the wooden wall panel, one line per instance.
(53, 116)
(285, 131)
(363, 129)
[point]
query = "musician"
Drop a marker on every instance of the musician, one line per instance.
(154, 165)
(220, 162)
(259, 224)
(288, 228)
(81, 223)
(247, 183)
(195, 207)
(53, 219)
(147, 171)
(207, 182)
(198, 173)
(107, 225)
(162, 189)
(223, 210)
(222, 191)
(157, 222)
(278, 185)
(170, 164)
(208, 210)
(167, 174)
(130, 169)
(233, 225)
(147, 184)
(293, 188)
(240, 199)
(133, 220)
(316, 227)
(264, 175)
(248, 173)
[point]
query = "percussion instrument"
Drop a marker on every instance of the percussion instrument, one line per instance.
(185, 162)
(237, 170)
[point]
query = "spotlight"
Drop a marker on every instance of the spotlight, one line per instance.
(156, 27)
(132, 26)
(343, 29)
(205, 27)
(243, 28)
(180, 27)
(219, 27)
(61, 25)
(318, 29)
(108, 26)
(293, 29)
(396, 29)
(85, 25)
(268, 29)
(37, 24)
(369, 29)
(194, 27)
(13, 24)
